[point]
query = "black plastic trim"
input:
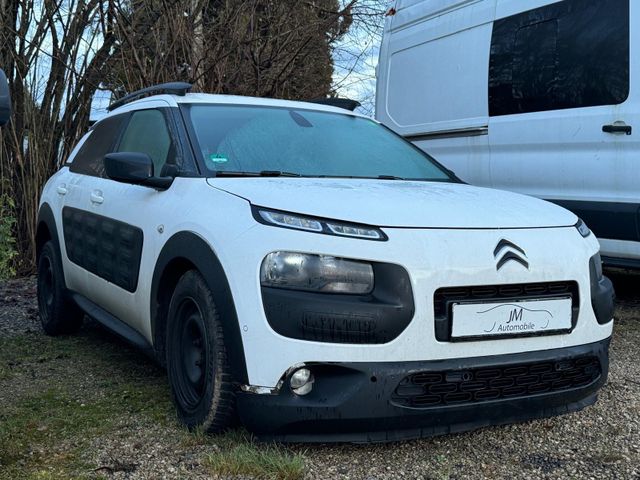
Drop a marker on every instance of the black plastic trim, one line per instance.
(610, 220)
(378, 317)
(351, 402)
(621, 262)
(113, 323)
(344, 103)
(188, 246)
(453, 133)
(603, 296)
(46, 217)
(108, 248)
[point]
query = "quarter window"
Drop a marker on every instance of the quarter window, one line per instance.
(570, 54)
(102, 139)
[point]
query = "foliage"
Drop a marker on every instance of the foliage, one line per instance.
(57, 53)
(7, 242)
(241, 457)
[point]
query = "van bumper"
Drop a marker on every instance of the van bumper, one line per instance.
(383, 402)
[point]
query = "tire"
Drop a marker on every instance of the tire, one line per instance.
(58, 313)
(197, 365)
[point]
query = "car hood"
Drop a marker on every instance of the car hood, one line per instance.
(398, 203)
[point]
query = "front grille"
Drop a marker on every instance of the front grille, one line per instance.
(444, 298)
(458, 387)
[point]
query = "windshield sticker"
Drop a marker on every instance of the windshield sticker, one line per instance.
(218, 158)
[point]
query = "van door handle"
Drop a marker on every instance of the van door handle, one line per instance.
(62, 189)
(626, 129)
(96, 197)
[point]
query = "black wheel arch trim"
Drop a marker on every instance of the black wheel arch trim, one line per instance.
(46, 217)
(190, 247)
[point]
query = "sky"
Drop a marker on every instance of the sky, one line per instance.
(355, 62)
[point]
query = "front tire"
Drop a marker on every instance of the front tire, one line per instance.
(197, 366)
(58, 313)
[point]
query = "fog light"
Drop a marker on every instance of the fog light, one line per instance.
(301, 382)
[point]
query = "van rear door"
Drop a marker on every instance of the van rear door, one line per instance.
(564, 121)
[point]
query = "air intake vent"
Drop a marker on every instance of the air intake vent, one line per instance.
(457, 387)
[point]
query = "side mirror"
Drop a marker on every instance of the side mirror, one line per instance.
(128, 167)
(135, 168)
(5, 99)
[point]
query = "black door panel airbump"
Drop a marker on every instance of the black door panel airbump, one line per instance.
(105, 247)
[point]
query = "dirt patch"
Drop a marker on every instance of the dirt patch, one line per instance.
(89, 406)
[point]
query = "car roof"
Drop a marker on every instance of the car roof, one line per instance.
(219, 99)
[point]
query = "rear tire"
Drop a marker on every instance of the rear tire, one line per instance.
(197, 365)
(58, 313)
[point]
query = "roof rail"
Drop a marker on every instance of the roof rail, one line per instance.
(175, 88)
(345, 103)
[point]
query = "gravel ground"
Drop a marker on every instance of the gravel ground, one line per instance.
(603, 441)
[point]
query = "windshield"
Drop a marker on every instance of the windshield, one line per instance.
(284, 141)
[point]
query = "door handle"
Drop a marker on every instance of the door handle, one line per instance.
(62, 189)
(617, 128)
(96, 197)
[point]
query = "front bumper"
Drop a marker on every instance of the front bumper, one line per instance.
(359, 402)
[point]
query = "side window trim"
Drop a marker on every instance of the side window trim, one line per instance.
(190, 167)
(77, 148)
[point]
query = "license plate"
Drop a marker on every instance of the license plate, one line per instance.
(511, 318)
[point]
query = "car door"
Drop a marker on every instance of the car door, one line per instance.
(564, 121)
(131, 218)
(79, 226)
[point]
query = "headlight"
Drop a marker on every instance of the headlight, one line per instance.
(317, 225)
(583, 229)
(316, 273)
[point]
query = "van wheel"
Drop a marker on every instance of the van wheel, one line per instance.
(199, 374)
(58, 313)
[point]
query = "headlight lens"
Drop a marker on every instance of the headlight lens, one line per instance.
(583, 229)
(317, 225)
(290, 221)
(316, 273)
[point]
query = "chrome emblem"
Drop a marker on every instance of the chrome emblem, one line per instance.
(512, 252)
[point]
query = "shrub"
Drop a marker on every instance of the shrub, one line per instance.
(8, 250)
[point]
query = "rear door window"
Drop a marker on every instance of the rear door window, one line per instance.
(101, 140)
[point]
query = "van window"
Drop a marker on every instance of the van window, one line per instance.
(569, 54)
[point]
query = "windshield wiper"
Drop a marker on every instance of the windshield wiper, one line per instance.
(263, 173)
(379, 177)
(389, 177)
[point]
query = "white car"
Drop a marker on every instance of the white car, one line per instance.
(307, 268)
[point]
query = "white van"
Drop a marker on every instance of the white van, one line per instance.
(527, 95)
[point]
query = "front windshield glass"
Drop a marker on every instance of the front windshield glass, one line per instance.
(254, 139)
